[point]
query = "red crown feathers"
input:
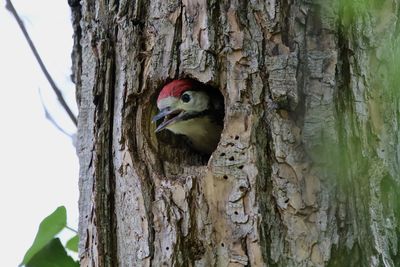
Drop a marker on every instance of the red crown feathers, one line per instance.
(175, 88)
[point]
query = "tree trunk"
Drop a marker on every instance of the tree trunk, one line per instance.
(307, 169)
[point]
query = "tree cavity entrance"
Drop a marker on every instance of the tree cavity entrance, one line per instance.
(189, 120)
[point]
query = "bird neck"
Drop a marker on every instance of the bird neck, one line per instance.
(202, 131)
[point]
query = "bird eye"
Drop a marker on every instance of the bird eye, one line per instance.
(185, 98)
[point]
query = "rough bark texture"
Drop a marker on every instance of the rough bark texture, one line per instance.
(306, 172)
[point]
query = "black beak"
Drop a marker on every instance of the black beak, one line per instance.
(162, 114)
(169, 115)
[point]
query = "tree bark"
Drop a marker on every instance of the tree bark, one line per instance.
(307, 169)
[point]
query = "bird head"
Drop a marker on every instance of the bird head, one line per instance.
(194, 110)
(180, 100)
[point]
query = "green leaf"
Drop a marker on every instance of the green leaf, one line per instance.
(52, 255)
(48, 228)
(72, 244)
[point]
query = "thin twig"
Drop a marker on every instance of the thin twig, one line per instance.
(57, 91)
(50, 118)
(71, 229)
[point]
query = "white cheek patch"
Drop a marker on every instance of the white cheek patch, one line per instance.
(166, 102)
(199, 102)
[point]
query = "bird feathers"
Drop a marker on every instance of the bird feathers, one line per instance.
(175, 88)
(194, 110)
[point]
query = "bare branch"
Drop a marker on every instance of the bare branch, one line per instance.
(57, 91)
(50, 118)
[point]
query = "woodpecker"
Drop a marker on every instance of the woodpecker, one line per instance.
(194, 110)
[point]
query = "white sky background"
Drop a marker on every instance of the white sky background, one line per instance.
(38, 164)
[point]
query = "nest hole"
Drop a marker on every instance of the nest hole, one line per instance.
(179, 148)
